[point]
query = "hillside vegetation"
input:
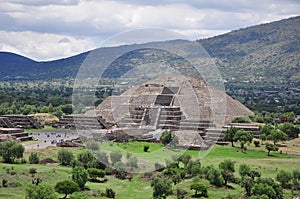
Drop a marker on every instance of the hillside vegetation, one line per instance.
(267, 53)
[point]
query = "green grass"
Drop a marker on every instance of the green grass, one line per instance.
(138, 188)
(46, 128)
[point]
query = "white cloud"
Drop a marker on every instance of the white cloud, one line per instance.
(43, 46)
(73, 19)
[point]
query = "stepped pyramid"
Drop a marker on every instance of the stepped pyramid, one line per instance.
(180, 104)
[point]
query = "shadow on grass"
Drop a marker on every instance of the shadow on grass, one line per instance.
(98, 181)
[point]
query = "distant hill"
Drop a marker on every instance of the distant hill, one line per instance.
(268, 52)
(16, 67)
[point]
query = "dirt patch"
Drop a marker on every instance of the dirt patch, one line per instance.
(45, 118)
(48, 161)
(292, 146)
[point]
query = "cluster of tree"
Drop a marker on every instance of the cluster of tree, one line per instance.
(85, 167)
(238, 135)
(254, 185)
(279, 132)
(107, 163)
(254, 96)
(10, 151)
(55, 97)
(273, 118)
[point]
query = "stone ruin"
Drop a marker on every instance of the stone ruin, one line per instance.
(20, 121)
(166, 106)
(81, 122)
(14, 125)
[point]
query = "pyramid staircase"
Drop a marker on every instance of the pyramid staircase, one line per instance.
(80, 122)
(20, 121)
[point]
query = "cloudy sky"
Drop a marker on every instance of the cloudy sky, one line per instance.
(51, 29)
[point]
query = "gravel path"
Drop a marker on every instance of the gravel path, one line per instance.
(50, 138)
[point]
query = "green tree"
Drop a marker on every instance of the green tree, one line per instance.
(263, 137)
(102, 157)
(244, 170)
(34, 158)
(166, 137)
(85, 157)
(80, 176)
(247, 183)
(290, 129)
(227, 170)
(92, 145)
(277, 135)
(10, 151)
(132, 162)
(266, 129)
(270, 182)
(290, 116)
(180, 193)
(65, 157)
(193, 167)
(200, 190)
(42, 191)
(230, 133)
(284, 178)
(95, 173)
(67, 108)
(240, 120)
(271, 147)
(115, 156)
(66, 187)
(161, 187)
(185, 158)
(260, 189)
(243, 137)
(214, 177)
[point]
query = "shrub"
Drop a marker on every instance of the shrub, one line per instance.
(65, 157)
(32, 170)
(42, 191)
(80, 176)
(214, 177)
(180, 193)
(200, 190)
(240, 120)
(271, 147)
(66, 187)
(95, 173)
(285, 178)
(10, 151)
(162, 187)
(132, 162)
(13, 172)
(110, 193)
(34, 158)
(92, 145)
(115, 156)
(146, 148)
(4, 182)
(256, 143)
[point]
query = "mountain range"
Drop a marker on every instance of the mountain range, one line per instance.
(268, 52)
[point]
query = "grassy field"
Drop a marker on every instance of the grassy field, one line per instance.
(46, 128)
(138, 187)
